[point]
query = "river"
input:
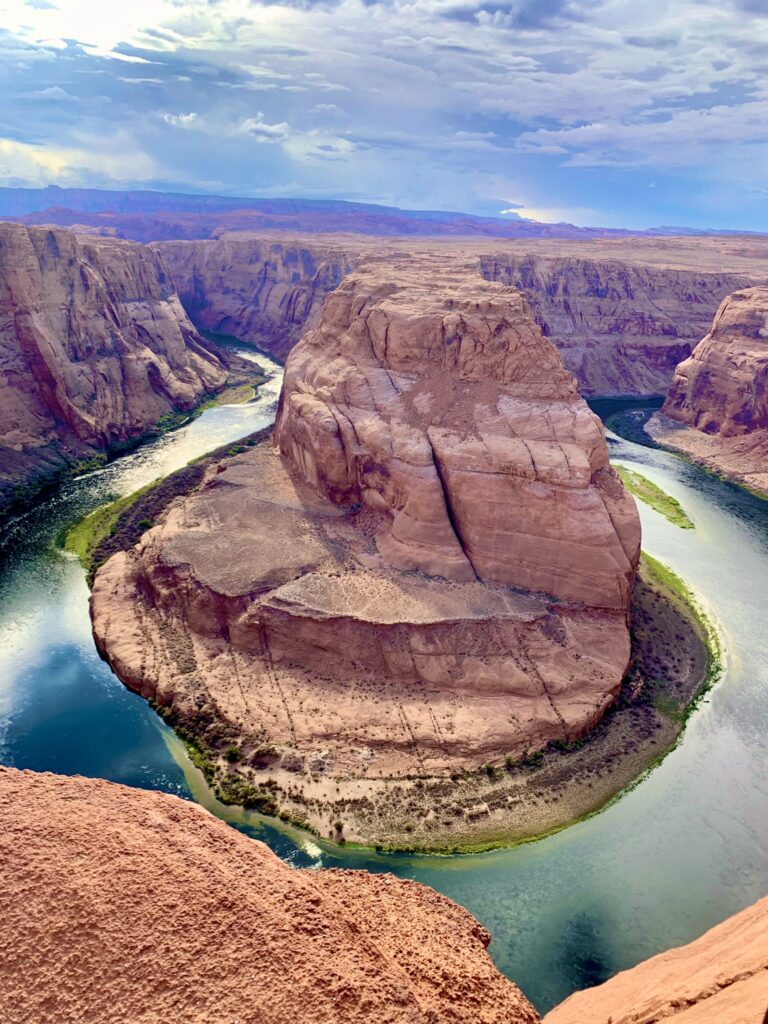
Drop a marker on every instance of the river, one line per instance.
(680, 852)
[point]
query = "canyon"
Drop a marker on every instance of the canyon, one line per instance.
(164, 912)
(622, 312)
(95, 349)
(430, 569)
(716, 411)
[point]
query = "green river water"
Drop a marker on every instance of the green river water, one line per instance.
(683, 850)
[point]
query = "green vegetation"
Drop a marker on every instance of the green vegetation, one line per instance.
(84, 537)
(647, 491)
(680, 591)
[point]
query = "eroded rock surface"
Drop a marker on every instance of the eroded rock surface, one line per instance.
(126, 906)
(621, 326)
(95, 348)
(721, 978)
(261, 290)
(435, 572)
(721, 393)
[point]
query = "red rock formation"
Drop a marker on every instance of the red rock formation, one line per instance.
(95, 349)
(125, 905)
(437, 572)
(721, 978)
(721, 392)
(430, 396)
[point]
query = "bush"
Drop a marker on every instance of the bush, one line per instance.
(233, 754)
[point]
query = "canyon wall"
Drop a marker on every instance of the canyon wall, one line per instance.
(433, 571)
(123, 905)
(621, 327)
(265, 291)
(622, 318)
(95, 348)
(717, 407)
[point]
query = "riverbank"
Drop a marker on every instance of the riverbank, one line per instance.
(742, 460)
(675, 658)
(653, 496)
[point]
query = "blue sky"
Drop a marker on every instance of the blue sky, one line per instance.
(606, 112)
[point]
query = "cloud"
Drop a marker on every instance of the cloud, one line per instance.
(181, 120)
(574, 103)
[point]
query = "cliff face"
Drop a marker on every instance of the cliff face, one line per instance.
(436, 573)
(621, 324)
(721, 978)
(621, 327)
(95, 348)
(126, 905)
(262, 291)
(721, 392)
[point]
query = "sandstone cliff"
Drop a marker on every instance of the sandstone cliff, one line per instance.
(721, 393)
(721, 978)
(94, 346)
(622, 317)
(621, 327)
(263, 291)
(126, 906)
(435, 574)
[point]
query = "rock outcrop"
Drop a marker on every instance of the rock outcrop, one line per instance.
(622, 314)
(717, 407)
(434, 574)
(126, 906)
(721, 978)
(95, 348)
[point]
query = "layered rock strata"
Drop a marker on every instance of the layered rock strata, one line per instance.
(95, 348)
(717, 407)
(721, 978)
(123, 905)
(265, 291)
(433, 570)
(622, 314)
(621, 327)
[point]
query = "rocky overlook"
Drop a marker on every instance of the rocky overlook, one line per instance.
(123, 905)
(717, 407)
(95, 349)
(432, 570)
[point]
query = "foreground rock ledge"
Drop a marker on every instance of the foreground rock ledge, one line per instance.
(432, 573)
(721, 978)
(126, 906)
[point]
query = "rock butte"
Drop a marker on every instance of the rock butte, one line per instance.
(95, 348)
(432, 571)
(717, 407)
(127, 906)
(622, 312)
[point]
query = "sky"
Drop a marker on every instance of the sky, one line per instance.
(622, 113)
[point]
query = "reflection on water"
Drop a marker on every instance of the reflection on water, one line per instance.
(684, 850)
